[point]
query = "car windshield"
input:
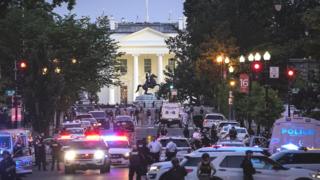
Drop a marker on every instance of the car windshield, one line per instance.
(226, 124)
(241, 131)
(75, 131)
(88, 145)
(118, 144)
(123, 118)
(98, 114)
(67, 126)
(178, 142)
(84, 116)
(214, 117)
(5, 142)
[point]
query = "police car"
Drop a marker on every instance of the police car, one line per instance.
(22, 157)
(228, 166)
(88, 153)
(183, 146)
(119, 149)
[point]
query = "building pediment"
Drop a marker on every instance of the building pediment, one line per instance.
(146, 36)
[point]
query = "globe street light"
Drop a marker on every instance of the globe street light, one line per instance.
(257, 57)
(267, 56)
(227, 60)
(250, 57)
(73, 60)
(231, 69)
(44, 71)
(219, 59)
(57, 70)
(242, 59)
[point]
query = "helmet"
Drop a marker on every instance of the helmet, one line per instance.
(205, 156)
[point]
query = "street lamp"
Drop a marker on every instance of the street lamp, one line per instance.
(257, 57)
(57, 70)
(73, 60)
(44, 71)
(227, 60)
(242, 59)
(219, 59)
(231, 69)
(267, 56)
(250, 57)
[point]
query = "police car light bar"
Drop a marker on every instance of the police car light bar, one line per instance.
(65, 137)
(93, 137)
(115, 138)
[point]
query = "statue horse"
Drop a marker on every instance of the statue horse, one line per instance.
(150, 83)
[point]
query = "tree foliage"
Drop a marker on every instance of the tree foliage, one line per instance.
(49, 41)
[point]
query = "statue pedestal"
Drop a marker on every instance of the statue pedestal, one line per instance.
(148, 101)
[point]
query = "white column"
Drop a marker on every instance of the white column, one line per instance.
(160, 68)
(111, 96)
(135, 75)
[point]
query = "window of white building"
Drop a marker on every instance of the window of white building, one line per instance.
(123, 67)
(172, 64)
(147, 65)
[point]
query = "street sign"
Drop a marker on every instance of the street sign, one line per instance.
(244, 83)
(10, 92)
(274, 72)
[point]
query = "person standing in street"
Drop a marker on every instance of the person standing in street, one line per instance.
(7, 167)
(149, 116)
(55, 152)
(155, 149)
(42, 155)
(248, 169)
(205, 169)
(177, 172)
(135, 164)
(171, 150)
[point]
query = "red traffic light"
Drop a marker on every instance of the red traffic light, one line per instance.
(291, 73)
(256, 67)
(22, 64)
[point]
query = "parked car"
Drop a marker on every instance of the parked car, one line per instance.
(309, 159)
(183, 146)
(241, 132)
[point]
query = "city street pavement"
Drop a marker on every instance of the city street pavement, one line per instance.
(116, 173)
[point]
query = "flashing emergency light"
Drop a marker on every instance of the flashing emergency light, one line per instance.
(93, 137)
(290, 146)
(115, 138)
(22, 64)
(256, 67)
(65, 137)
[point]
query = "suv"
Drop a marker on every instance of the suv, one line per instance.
(228, 166)
(87, 154)
(102, 119)
(119, 149)
(123, 123)
(309, 159)
(183, 146)
(212, 118)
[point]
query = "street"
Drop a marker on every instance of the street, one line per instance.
(116, 173)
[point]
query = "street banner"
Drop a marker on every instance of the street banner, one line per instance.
(274, 72)
(244, 83)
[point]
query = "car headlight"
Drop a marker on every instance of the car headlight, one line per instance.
(70, 155)
(98, 154)
(155, 168)
(126, 154)
(315, 175)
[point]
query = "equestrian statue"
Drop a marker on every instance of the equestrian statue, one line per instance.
(150, 83)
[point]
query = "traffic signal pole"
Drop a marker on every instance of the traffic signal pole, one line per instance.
(15, 94)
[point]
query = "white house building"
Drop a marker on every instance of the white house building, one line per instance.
(145, 50)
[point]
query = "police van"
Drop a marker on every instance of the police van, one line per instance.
(293, 133)
(21, 155)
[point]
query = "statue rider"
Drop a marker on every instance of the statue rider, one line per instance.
(148, 78)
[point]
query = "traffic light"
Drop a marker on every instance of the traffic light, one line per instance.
(22, 65)
(256, 67)
(291, 73)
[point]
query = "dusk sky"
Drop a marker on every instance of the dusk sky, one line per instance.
(159, 10)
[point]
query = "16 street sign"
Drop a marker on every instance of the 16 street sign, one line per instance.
(244, 83)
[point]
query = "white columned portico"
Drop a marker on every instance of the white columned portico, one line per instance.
(135, 75)
(111, 95)
(160, 68)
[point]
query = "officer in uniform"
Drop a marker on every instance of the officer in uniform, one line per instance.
(55, 150)
(41, 155)
(135, 164)
(7, 167)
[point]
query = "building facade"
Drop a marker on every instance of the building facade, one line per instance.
(144, 51)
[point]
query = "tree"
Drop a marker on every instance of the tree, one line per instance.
(49, 41)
